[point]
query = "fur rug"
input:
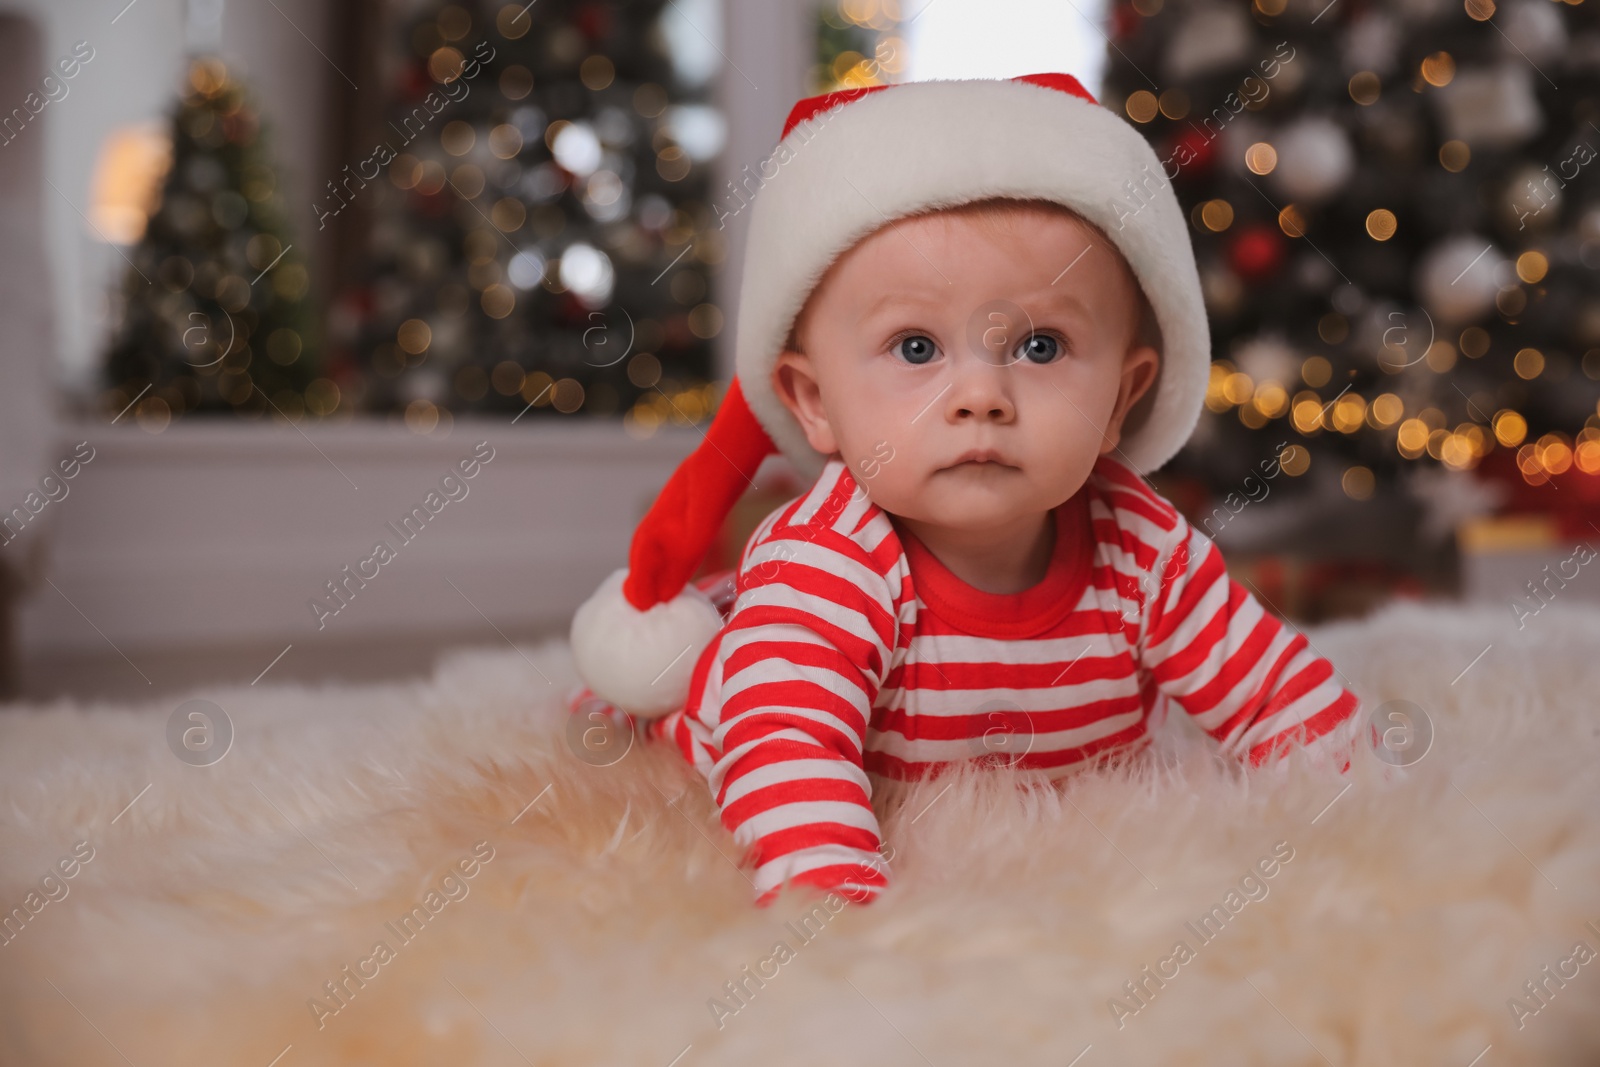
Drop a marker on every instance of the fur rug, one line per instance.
(538, 909)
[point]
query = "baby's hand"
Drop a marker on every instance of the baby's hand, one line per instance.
(857, 884)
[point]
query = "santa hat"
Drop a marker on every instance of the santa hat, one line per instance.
(849, 162)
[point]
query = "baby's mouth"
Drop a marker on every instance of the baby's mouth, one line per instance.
(980, 471)
(980, 459)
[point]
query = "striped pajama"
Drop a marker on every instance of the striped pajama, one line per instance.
(849, 651)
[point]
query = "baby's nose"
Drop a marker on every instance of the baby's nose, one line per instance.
(981, 390)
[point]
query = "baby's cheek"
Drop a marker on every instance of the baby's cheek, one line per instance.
(887, 473)
(897, 489)
(1068, 428)
(1068, 476)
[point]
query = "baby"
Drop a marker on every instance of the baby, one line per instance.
(979, 571)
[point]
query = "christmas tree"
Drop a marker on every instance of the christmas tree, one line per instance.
(856, 47)
(1397, 222)
(213, 313)
(541, 237)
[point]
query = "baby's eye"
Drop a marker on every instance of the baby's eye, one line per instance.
(1040, 348)
(916, 348)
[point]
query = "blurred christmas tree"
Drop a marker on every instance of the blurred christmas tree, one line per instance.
(857, 46)
(213, 314)
(541, 236)
(1396, 213)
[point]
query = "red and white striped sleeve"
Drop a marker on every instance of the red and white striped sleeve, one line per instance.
(801, 657)
(1242, 674)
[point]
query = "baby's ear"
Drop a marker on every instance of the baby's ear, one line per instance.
(794, 380)
(1139, 370)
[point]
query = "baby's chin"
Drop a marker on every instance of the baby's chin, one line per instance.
(973, 496)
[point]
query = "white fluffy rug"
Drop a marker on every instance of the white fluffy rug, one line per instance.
(604, 923)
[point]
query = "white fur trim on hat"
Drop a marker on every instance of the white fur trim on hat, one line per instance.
(920, 145)
(641, 661)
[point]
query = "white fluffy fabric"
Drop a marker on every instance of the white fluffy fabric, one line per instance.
(641, 660)
(1416, 904)
(920, 145)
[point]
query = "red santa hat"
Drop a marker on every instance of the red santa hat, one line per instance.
(848, 163)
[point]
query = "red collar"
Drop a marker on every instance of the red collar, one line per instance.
(1010, 615)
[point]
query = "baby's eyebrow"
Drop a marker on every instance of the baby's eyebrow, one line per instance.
(1053, 297)
(1058, 297)
(892, 300)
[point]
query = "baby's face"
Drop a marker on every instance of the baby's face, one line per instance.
(970, 371)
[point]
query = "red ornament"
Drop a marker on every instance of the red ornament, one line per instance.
(349, 310)
(676, 333)
(1195, 147)
(593, 21)
(1124, 21)
(1256, 252)
(239, 128)
(570, 309)
(413, 82)
(432, 205)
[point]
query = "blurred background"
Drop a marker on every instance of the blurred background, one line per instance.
(273, 271)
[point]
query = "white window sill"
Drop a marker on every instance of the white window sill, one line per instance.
(220, 533)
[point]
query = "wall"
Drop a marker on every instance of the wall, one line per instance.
(769, 46)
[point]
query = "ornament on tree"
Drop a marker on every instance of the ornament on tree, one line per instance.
(1256, 252)
(1193, 145)
(1314, 159)
(1492, 108)
(1532, 30)
(1212, 37)
(1313, 272)
(1372, 43)
(1457, 279)
(1450, 499)
(1125, 21)
(1268, 358)
(1392, 337)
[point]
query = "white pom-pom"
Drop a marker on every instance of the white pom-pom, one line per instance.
(641, 661)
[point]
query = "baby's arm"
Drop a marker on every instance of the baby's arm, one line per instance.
(1245, 677)
(801, 657)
